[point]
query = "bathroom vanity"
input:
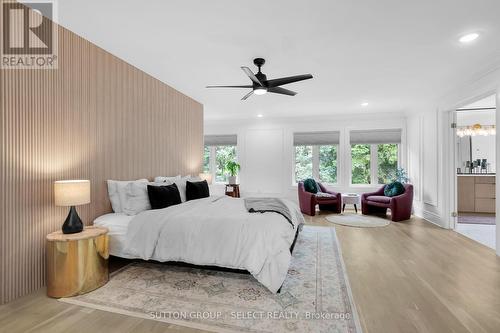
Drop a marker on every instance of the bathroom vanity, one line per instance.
(476, 193)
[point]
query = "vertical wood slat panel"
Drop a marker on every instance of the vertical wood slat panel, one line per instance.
(95, 117)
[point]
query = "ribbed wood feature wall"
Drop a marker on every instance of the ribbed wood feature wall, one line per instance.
(95, 117)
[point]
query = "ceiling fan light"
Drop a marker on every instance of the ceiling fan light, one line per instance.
(260, 91)
(469, 38)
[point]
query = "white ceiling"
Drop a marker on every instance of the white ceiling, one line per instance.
(396, 55)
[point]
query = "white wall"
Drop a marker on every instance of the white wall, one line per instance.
(482, 117)
(426, 149)
(266, 153)
(423, 164)
(262, 159)
(430, 156)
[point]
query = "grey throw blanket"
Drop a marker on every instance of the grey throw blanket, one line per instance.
(263, 205)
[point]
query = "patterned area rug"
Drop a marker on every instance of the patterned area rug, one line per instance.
(358, 220)
(315, 297)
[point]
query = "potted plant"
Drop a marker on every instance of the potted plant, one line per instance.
(402, 176)
(232, 169)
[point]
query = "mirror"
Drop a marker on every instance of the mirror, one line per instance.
(476, 141)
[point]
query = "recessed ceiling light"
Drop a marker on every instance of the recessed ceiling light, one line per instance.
(364, 104)
(469, 37)
(260, 115)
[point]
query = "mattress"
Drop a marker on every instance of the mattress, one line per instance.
(117, 224)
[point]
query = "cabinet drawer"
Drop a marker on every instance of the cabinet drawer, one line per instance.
(485, 191)
(485, 179)
(466, 194)
(485, 205)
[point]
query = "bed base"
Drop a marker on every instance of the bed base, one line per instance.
(214, 268)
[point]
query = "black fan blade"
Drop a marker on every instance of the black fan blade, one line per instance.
(251, 75)
(245, 86)
(283, 91)
(247, 95)
(287, 80)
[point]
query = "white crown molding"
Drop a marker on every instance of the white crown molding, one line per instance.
(306, 119)
(478, 86)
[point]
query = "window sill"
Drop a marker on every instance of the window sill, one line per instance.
(366, 185)
(294, 186)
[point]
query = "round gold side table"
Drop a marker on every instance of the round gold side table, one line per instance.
(77, 263)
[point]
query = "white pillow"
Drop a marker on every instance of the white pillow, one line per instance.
(166, 180)
(136, 198)
(181, 185)
(116, 192)
(113, 196)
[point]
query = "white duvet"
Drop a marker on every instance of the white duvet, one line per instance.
(217, 231)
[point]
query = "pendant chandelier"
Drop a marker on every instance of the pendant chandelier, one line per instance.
(476, 129)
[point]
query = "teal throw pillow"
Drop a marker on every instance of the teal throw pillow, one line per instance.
(393, 189)
(311, 186)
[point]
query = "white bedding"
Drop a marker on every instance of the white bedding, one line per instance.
(216, 231)
(117, 224)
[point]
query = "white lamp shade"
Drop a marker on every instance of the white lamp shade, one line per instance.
(71, 192)
(206, 176)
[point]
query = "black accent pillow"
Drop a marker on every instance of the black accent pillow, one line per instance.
(163, 196)
(197, 190)
(393, 189)
(311, 186)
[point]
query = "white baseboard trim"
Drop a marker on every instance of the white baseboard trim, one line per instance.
(419, 211)
(432, 218)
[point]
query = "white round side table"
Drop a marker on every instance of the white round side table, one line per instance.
(351, 199)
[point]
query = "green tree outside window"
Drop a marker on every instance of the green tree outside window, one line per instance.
(360, 157)
(387, 162)
(328, 164)
(223, 154)
(206, 159)
(303, 163)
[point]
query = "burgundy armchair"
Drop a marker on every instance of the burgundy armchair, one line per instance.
(308, 201)
(377, 203)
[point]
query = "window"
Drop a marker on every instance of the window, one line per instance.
(223, 154)
(303, 163)
(206, 159)
(374, 156)
(387, 158)
(328, 164)
(360, 161)
(219, 149)
(316, 156)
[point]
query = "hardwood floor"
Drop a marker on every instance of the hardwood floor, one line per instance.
(417, 277)
(406, 277)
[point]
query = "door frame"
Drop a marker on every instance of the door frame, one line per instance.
(451, 157)
(453, 178)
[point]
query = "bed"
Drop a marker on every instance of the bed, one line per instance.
(214, 231)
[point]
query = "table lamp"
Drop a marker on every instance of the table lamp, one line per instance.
(72, 193)
(206, 176)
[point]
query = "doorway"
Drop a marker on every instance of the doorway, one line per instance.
(475, 161)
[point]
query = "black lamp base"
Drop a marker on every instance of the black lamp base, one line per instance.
(73, 223)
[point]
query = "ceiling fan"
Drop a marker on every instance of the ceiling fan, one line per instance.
(261, 85)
